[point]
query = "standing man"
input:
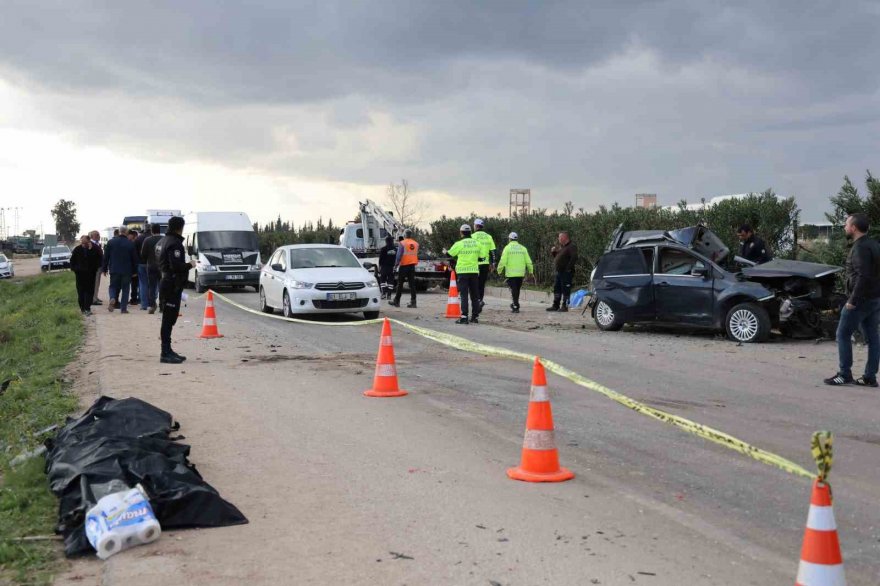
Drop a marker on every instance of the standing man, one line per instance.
(862, 309)
(751, 247)
(171, 255)
(487, 261)
(467, 253)
(387, 260)
(135, 280)
(516, 262)
(406, 260)
(95, 237)
(565, 256)
(148, 258)
(85, 262)
(121, 261)
(142, 281)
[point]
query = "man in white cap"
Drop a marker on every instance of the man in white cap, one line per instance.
(516, 263)
(467, 253)
(487, 262)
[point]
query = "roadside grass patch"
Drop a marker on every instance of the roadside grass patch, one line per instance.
(40, 332)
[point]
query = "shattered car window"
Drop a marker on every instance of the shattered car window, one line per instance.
(677, 262)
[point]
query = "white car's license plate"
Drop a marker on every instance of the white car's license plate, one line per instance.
(234, 277)
(341, 296)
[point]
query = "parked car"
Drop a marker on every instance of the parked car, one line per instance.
(7, 270)
(55, 257)
(318, 278)
(677, 277)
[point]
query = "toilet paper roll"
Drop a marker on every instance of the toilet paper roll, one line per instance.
(149, 531)
(108, 544)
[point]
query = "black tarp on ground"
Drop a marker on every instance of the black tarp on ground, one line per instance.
(115, 445)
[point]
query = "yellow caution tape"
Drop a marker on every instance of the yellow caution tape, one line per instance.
(713, 435)
(823, 453)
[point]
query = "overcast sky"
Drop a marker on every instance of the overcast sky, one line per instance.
(302, 108)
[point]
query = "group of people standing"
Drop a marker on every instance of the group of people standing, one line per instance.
(474, 257)
(156, 263)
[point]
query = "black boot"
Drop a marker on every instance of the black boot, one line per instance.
(563, 307)
(170, 359)
(173, 353)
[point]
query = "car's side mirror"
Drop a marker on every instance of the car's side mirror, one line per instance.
(368, 265)
(700, 271)
(277, 267)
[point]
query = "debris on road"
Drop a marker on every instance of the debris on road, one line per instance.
(115, 445)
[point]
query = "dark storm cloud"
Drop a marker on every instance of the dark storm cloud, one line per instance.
(683, 97)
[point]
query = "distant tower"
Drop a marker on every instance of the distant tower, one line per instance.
(520, 201)
(646, 200)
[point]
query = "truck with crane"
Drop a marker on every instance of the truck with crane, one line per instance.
(366, 236)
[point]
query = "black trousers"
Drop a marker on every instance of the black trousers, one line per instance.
(85, 289)
(386, 279)
(153, 278)
(562, 288)
(484, 275)
(469, 290)
(515, 284)
(407, 273)
(170, 293)
(135, 290)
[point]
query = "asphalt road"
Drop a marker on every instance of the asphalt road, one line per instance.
(277, 405)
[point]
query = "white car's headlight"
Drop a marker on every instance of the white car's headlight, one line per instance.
(206, 268)
(300, 285)
(373, 283)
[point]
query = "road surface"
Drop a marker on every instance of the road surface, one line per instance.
(344, 489)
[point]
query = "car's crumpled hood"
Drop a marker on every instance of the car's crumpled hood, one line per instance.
(781, 268)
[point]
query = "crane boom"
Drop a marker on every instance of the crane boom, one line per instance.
(374, 220)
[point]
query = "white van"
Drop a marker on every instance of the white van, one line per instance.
(225, 248)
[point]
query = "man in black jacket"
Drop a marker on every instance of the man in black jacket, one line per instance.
(148, 258)
(565, 255)
(85, 261)
(862, 309)
(174, 267)
(387, 258)
(751, 247)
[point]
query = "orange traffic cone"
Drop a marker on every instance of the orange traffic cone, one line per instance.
(540, 459)
(453, 303)
(821, 562)
(209, 324)
(385, 380)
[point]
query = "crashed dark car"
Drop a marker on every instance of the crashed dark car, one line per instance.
(685, 277)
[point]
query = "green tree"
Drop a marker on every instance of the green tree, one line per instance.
(66, 224)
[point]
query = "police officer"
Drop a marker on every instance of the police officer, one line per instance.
(516, 263)
(467, 253)
(406, 260)
(487, 264)
(387, 260)
(751, 247)
(172, 263)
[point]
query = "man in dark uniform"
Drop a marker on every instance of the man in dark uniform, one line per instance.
(172, 263)
(387, 258)
(751, 247)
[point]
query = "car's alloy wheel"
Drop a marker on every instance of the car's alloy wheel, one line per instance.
(604, 314)
(286, 302)
(264, 307)
(744, 325)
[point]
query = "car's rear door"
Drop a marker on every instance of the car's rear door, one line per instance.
(682, 296)
(623, 281)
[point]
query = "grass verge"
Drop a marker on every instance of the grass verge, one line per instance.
(40, 333)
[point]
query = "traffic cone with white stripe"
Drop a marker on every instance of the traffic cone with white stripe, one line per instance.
(821, 561)
(540, 458)
(209, 323)
(453, 303)
(385, 379)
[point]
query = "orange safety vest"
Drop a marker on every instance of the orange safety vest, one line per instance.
(410, 255)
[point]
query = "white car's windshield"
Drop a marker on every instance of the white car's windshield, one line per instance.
(55, 250)
(312, 258)
(3, 258)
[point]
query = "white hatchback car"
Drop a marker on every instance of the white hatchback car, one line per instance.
(6, 269)
(318, 278)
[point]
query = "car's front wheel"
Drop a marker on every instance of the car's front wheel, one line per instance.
(264, 307)
(747, 323)
(606, 318)
(286, 305)
(371, 315)
(198, 286)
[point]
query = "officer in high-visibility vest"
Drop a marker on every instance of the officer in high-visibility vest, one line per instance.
(488, 263)
(467, 253)
(516, 264)
(407, 259)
